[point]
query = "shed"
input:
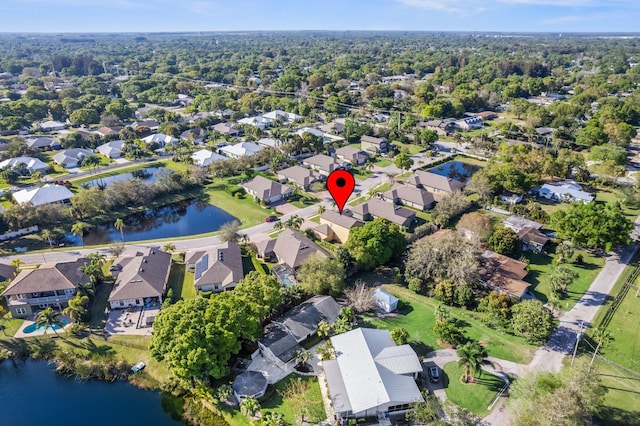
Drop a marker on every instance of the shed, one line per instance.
(249, 384)
(385, 301)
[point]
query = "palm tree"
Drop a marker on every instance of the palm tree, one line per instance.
(244, 238)
(471, 355)
(119, 225)
(77, 307)
(46, 235)
(277, 226)
(97, 258)
(302, 356)
(77, 229)
(49, 317)
(17, 263)
(321, 209)
(273, 419)
(369, 166)
(229, 232)
(86, 289)
(294, 222)
(249, 406)
(601, 336)
(169, 247)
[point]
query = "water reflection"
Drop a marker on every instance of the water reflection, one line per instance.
(456, 170)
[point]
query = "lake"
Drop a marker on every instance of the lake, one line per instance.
(148, 175)
(32, 393)
(456, 170)
(188, 217)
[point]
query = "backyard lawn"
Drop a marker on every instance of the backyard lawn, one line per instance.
(245, 209)
(541, 265)
(417, 317)
(181, 281)
(475, 397)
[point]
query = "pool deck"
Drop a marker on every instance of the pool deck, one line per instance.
(20, 333)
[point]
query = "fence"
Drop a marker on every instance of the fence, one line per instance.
(18, 233)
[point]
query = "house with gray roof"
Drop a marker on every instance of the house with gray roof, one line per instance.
(266, 190)
(204, 157)
(283, 336)
(218, 269)
(32, 164)
(70, 158)
(50, 285)
(518, 223)
(374, 145)
(140, 279)
(321, 163)
(43, 143)
(371, 376)
(291, 248)
(301, 176)
(434, 183)
(567, 191)
(46, 194)
(340, 224)
(227, 129)
(411, 196)
(376, 208)
(352, 155)
(111, 149)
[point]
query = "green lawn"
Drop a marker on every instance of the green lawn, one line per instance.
(622, 400)
(475, 397)
(181, 281)
(608, 195)
(418, 318)
(540, 268)
(11, 326)
(410, 148)
(245, 209)
(303, 200)
(98, 304)
(382, 162)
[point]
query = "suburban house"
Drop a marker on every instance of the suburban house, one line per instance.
(352, 155)
(269, 142)
(411, 196)
(282, 337)
(469, 123)
(159, 138)
(267, 190)
(323, 232)
(567, 191)
(195, 134)
(218, 269)
(152, 125)
(441, 127)
(511, 198)
(371, 376)
(487, 115)
(375, 208)
(47, 194)
(334, 127)
(258, 121)
(52, 284)
(434, 183)
(140, 279)
(43, 142)
(70, 158)
(108, 131)
(52, 125)
(385, 301)
(291, 248)
(241, 149)
(7, 272)
(518, 223)
(32, 164)
(298, 175)
(204, 157)
(321, 163)
(227, 129)
(504, 274)
(282, 117)
(374, 145)
(340, 224)
(111, 149)
(532, 239)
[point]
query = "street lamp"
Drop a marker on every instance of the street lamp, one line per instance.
(578, 337)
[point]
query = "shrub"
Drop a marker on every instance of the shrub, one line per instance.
(234, 189)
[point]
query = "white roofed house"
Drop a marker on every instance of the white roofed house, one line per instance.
(371, 376)
(47, 194)
(241, 149)
(70, 158)
(469, 123)
(51, 125)
(566, 191)
(282, 116)
(204, 157)
(159, 138)
(267, 190)
(140, 279)
(218, 269)
(111, 149)
(385, 301)
(258, 121)
(32, 164)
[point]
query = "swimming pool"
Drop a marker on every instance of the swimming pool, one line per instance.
(31, 328)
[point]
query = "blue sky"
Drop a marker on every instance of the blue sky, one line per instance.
(229, 15)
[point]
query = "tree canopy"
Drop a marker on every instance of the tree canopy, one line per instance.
(375, 243)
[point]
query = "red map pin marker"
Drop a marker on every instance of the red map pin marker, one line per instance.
(340, 184)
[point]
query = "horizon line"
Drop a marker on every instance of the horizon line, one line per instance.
(629, 33)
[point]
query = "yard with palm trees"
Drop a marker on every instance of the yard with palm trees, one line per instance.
(476, 395)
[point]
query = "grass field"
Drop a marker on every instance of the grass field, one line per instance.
(541, 265)
(418, 318)
(181, 281)
(475, 397)
(622, 400)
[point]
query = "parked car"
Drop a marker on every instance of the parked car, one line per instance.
(271, 219)
(434, 374)
(139, 366)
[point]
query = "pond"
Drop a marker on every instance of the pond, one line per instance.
(148, 175)
(456, 170)
(188, 217)
(32, 393)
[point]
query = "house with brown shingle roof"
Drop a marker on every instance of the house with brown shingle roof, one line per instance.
(374, 145)
(52, 284)
(266, 190)
(341, 224)
(504, 274)
(218, 269)
(411, 196)
(228, 129)
(533, 239)
(434, 183)
(352, 155)
(375, 208)
(301, 176)
(290, 248)
(321, 163)
(140, 279)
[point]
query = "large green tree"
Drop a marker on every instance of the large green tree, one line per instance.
(375, 243)
(532, 321)
(319, 275)
(593, 225)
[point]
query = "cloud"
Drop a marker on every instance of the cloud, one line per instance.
(558, 3)
(120, 4)
(460, 6)
(452, 6)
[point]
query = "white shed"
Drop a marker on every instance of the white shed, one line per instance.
(385, 301)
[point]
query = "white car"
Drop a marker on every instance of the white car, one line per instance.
(139, 366)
